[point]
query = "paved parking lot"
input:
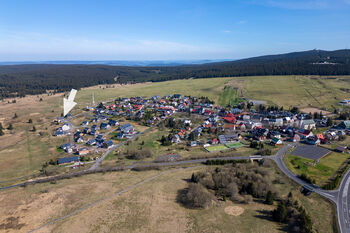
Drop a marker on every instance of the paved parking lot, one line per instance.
(310, 152)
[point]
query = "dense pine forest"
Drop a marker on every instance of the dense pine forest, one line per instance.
(21, 80)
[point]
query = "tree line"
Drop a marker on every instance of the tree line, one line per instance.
(21, 80)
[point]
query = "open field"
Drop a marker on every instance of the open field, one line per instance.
(229, 95)
(23, 152)
(321, 171)
(216, 148)
(301, 91)
(149, 207)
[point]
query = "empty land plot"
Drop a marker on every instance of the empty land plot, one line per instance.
(312, 110)
(216, 148)
(310, 152)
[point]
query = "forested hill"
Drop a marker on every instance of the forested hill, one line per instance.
(20, 80)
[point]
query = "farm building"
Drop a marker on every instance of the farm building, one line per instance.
(67, 160)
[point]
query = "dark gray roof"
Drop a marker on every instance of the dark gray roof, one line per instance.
(67, 160)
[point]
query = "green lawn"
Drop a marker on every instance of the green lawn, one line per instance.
(234, 144)
(321, 171)
(229, 95)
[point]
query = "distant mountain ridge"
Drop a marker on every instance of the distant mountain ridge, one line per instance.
(19, 80)
(117, 62)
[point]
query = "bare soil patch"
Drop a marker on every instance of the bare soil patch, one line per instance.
(234, 210)
(313, 110)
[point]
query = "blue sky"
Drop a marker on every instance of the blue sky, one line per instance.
(168, 30)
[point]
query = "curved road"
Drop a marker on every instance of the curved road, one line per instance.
(340, 197)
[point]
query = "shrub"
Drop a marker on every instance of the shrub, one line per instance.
(139, 154)
(306, 178)
(197, 196)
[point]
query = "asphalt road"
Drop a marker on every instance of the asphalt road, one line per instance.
(340, 197)
(343, 204)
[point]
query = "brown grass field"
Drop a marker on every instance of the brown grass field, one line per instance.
(149, 207)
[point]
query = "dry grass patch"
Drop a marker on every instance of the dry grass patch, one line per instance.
(234, 210)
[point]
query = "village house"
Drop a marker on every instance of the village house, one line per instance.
(67, 147)
(276, 122)
(345, 102)
(312, 140)
(187, 122)
(214, 141)
(296, 138)
(67, 160)
(108, 144)
(344, 125)
(126, 128)
(193, 143)
(104, 126)
(227, 138)
(260, 134)
(78, 139)
(65, 127)
(83, 151)
(274, 134)
(303, 133)
(91, 142)
(113, 123)
(175, 139)
(341, 149)
(308, 124)
(276, 141)
(253, 124)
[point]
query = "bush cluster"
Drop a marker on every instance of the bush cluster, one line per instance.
(138, 154)
(289, 211)
(239, 182)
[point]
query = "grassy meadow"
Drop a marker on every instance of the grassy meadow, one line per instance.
(321, 171)
(23, 152)
(148, 207)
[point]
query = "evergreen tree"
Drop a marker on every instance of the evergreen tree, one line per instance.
(280, 214)
(269, 198)
(10, 127)
(329, 122)
(192, 137)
